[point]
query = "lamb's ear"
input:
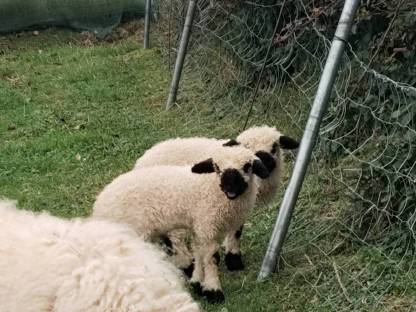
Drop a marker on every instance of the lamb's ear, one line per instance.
(286, 142)
(231, 142)
(206, 166)
(260, 170)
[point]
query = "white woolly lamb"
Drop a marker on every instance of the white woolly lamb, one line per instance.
(157, 200)
(264, 141)
(267, 142)
(53, 265)
(180, 152)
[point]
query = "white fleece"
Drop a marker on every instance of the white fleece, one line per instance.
(49, 264)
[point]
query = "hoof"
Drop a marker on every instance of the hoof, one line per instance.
(196, 286)
(217, 258)
(234, 262)
(188, 270)
(214, 296)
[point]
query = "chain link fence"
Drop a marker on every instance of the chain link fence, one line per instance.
(360, 247)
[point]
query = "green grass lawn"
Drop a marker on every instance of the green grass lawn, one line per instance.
(74, 116)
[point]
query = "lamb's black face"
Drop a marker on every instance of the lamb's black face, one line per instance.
(232, 183)
(267, 159)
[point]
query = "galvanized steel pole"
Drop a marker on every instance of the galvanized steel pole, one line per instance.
(147, 24)
(181, 54)
(309, 138)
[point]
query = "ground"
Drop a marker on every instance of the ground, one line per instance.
(75, 113)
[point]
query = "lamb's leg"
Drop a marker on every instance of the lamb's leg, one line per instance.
(180, 255)
(211, 286)
(233, 259)
(198, 272)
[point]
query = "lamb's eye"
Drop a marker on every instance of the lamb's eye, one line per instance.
(247, 167)
(274, 148)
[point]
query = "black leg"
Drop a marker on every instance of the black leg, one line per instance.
(214, 296)
(234, 262)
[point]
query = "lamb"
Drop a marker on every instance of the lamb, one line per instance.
(50, 264)
(264, 141)
(267, 142)
(208, 199)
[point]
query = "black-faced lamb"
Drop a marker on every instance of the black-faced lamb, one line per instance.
(266, 142)
(209, 199)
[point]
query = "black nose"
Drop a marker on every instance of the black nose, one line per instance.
(232, 183)
(267, 160)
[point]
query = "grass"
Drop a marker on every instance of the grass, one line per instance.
(73, 116)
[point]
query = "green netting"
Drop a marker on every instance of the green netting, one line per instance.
(99, 16)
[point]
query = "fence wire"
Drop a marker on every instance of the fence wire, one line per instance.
(360, 247)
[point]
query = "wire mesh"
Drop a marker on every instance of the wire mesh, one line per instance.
(361, 243)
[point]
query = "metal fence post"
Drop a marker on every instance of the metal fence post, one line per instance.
(181, 54)
(147, 23)
(309, 138)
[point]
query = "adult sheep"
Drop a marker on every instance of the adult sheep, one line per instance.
(53, 265)
(208, 199)
(266, 142)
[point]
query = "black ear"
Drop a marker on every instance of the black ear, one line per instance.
(231, 142)
(206, 166)
(288, 143)
(260, 170)
(267, 160)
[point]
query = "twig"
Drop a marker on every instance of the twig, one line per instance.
(344, 290)
(309, 259)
